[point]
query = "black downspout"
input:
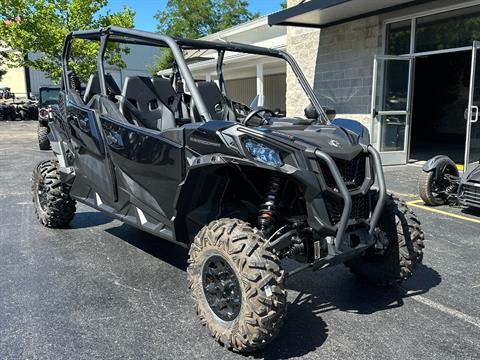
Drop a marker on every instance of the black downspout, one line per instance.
(28, 83)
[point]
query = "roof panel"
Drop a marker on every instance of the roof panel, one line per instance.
(324, 13)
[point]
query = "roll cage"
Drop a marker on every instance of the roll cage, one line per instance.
(121, 35)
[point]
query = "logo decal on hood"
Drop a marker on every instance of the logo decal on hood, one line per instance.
(334, 143)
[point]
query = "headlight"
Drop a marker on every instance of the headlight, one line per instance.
(263, 153)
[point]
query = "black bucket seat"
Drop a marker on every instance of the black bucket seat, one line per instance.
(139, 92)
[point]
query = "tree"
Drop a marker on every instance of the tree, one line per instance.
(284, 4)
(2, 63)
(39, 27)
(196, 18)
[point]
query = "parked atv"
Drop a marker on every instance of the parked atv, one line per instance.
(440, 184)
(48, 97)
(243, 191)
(26, 110)
(6, 93)
(7, 112)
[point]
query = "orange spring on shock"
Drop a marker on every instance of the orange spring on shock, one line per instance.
(269, 208)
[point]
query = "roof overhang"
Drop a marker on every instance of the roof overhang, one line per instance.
(325, 13)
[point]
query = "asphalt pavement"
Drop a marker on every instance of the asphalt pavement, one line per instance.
(104, 290)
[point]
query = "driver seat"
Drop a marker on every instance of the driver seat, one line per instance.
(217, 105)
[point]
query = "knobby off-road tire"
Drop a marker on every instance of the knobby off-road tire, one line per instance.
(260, 279)
(405, 249)
(426, 185)
(53, 205)
(43, 142)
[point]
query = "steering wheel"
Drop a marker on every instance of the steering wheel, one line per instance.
(255, 112)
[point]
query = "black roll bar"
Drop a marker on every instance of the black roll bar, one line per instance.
(100, 61)
(132, 36)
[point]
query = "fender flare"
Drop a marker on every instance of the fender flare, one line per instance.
(438, 164)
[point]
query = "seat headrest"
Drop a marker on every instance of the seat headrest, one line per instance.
(211, 95)
(136, 87)
(165, 90)
(93, 86)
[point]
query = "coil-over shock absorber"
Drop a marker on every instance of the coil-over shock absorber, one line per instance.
(269, 208)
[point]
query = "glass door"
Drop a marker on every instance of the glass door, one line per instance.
(472, 148)
(391, 107)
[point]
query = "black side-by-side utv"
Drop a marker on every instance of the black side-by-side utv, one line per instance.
(242, 188)
(48, 97)
(440, 183)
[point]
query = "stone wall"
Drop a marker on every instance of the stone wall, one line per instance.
(344, 65)
(302, 43)
(338, 64)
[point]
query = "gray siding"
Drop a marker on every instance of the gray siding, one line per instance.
(242, 90)
(245, 90)
(275, 88)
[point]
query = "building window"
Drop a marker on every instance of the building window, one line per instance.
(448, 30)
(398, 37)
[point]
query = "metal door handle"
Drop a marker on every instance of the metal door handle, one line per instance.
(474, 108)
(111, 140)
(114, 141)
(82, 123)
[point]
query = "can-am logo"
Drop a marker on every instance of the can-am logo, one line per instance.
(334, 143)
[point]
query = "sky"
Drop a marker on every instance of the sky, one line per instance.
(146, 9)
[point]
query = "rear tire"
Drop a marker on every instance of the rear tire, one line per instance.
(405, 248)
(259, 276)
(43, 142)
(53, 205)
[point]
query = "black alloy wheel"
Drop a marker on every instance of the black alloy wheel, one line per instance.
(221, 288)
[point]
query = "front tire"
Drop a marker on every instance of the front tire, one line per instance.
(243, 306)
(400, 226)
(42, 133)
(434, 191)
(53, 205)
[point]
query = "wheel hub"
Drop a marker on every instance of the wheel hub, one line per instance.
(221, 288)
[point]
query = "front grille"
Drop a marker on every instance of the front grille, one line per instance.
(471, 195)
(353, 172)
(360, 208)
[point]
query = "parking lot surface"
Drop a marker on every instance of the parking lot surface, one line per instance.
(104, 290)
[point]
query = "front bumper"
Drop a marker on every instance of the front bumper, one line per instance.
(346, 195)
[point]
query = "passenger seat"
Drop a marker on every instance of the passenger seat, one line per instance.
(169, 96)
(138, 91)
(93, 87)
(217, 105)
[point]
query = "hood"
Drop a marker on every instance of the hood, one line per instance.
(336, 141)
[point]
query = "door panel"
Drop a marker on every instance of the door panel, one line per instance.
(150, 165)
(92, 165)
(391, 107)
(472, 149)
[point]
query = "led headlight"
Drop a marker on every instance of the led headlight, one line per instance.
(263, 153)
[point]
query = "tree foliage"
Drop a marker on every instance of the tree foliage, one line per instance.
(2, 64)
(39, 27)
(196, 18)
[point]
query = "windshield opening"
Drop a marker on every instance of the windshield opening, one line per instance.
(48, 97)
